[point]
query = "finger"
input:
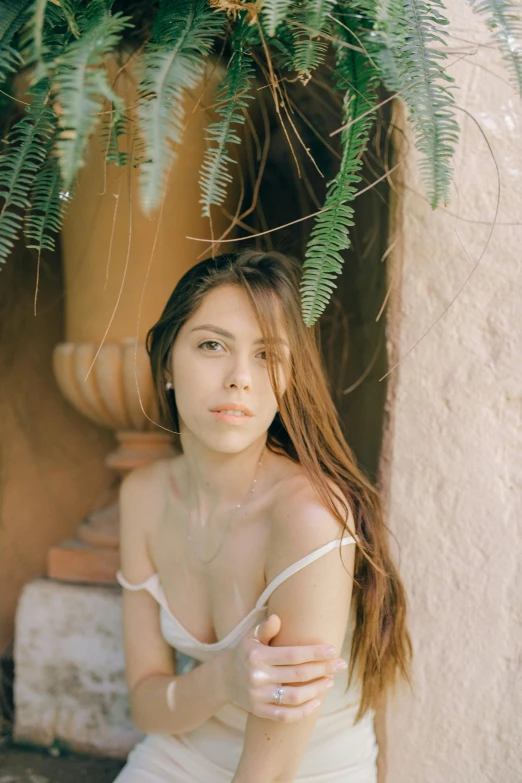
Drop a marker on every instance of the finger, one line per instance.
(296, 696)
(303, 672)
(288, 714)
(265, 631)
(297, 654)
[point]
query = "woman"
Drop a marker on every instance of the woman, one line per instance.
(259, 551)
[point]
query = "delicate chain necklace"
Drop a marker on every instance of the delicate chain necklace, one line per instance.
(234, 510)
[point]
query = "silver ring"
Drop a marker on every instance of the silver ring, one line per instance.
(277, 696)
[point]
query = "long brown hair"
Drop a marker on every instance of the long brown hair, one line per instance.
(306, 428)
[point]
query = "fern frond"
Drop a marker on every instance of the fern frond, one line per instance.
(114, 127)
(273, 13)
(330, 234)
(42, 38)
(282, 48)
(233, 95)
(43, 220)
(310, 21)
(503, 19)
(25, 154)
(69, 11)
(405, 31)
(173, 63)
(82, 84)
(13, 16)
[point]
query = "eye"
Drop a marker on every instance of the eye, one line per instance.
(210, 342)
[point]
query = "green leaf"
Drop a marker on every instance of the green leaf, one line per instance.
(27, 146)
(308, 23)
(13, 16)
(404, 33)
(330, 234)
(173, 63)
(43, 220)
(82, 85)
(233, 95)
(504, 22)
(69, 9)
(114, 127)
(273, 13)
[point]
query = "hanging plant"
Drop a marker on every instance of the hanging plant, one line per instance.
(376, 45)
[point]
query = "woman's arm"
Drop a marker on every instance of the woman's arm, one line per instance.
(314, 608)
(177, 704)
(160, 700)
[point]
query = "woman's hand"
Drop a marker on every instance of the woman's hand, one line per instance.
(254, 670)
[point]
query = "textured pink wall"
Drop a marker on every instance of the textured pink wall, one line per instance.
(456, 470)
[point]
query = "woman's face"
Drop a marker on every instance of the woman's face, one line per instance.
(218, 359)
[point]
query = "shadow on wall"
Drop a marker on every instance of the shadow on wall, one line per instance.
(52, 467)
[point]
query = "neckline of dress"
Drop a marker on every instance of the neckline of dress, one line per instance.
(257, 608)
(193, 639)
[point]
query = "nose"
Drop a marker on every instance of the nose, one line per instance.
(239, 375)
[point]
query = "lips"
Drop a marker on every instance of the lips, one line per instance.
(232, 406)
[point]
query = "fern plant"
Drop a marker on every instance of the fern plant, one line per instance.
(27, 145)
(502, 18)
(173, 63)
(330, 234)
(234, 95)
(82, 85)
(62, 46)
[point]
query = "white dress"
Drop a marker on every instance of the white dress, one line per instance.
(338, 751)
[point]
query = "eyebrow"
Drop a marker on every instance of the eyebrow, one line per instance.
(229, 335)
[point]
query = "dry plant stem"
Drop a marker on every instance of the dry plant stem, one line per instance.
(331, 38)
(253, 133)
(316, 133)
(37, 282)
(275, 92)
(492, 227)
(388, 292)
(255, 195)
(144, 287)
(234, 219)
(116, 204)
(286, 105)
(236, 222)
(390, 98)
(368, 369)
(256, 181)
(16, 100)
(124, 273)
(363, 48)
(306, 217)
(492, 73)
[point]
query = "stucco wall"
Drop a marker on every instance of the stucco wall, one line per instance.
(51, 458)
(456, 467)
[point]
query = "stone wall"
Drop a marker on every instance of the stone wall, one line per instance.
(456, 460)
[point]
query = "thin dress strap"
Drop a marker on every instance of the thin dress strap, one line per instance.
(299, 564)
(151, 585)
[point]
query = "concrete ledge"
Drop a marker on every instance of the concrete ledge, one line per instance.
(70, 670)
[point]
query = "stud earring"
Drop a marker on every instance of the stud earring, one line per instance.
(168, 385)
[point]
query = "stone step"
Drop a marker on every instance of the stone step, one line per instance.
(75, 560)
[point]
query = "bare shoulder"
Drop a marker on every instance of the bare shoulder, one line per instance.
(143, 483)
(300, 522)
(142, 495)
